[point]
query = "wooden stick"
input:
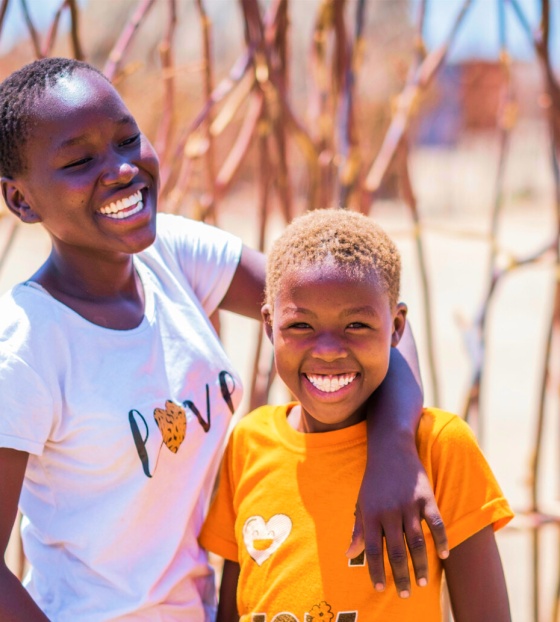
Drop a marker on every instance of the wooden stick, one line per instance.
(123, 42)
(74, 30)
(35, 40)
(210, 203)
(406, 104)
(51, 36)
(3, 9)
(163, 137)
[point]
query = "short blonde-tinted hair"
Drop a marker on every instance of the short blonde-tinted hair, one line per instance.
(349, 239)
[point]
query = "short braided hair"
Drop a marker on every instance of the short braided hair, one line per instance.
(19, 93)
(353, 241)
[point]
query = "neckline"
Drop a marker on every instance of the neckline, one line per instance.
(147, 317)
(316, 440)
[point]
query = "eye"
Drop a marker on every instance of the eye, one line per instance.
(131, 141)
(357, 326)
(299, 326)
(76, 163)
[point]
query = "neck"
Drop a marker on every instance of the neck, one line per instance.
(108, 293)
(88, 278)
(302, 421)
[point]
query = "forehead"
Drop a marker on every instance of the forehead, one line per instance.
(329, 284)
(76, 99)
(77, 108)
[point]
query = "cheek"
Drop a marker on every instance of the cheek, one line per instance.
(150, 160)
(286, 357)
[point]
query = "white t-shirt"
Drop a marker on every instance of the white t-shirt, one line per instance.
(113, 500)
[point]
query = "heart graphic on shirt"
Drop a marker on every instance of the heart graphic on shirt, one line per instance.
(172, 423)
(262, 538)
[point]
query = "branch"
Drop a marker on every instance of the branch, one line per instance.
(34, 35)
(117, 53)
(74, 35)
(406, 103)
(3, 9)
(51, 36)
(208, 88)
(163, 137)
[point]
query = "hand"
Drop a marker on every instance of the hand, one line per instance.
(394, 498)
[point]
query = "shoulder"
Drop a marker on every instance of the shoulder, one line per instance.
(199, 250)
(24, 311)
(258, 428)
(174, 230)
(171, 225)
(438, 426)
(257, 419)
(445, 442)
(450, 451)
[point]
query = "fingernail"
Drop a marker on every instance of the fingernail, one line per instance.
(379, 587)
(444, 555)
(404, 594)
(423, 582)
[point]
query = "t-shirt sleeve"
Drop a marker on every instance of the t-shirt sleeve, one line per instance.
(218, 531)
(206, 255)
(26, 407)
(468, 495)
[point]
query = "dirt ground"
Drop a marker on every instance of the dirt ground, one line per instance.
(457, 245)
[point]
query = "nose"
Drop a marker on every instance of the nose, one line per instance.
(119, 171)
(329, 347)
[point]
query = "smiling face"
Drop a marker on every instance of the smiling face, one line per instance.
(332, 337)
(90, 175)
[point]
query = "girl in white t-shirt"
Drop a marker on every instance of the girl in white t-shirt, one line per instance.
(116, 392)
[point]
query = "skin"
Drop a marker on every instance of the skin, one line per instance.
(325, 326)
(475, 580)
(85, 153)
(325, 323)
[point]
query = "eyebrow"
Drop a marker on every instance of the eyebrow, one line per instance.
(83, 138)
(364, 310)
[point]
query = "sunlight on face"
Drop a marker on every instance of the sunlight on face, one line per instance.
(332, 336)
(72, 92)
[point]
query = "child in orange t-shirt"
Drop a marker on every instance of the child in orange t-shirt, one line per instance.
(291, 473)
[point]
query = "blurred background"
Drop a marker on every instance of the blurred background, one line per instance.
(438, 118)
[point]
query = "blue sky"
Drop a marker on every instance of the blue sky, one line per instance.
(477, 38)
(42, 13)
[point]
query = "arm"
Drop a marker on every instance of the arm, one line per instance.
(396, 493)
(15, 603)
(386, 504)
(245, 294)
(227, 607)
(475, 579)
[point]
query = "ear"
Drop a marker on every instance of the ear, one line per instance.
(399, 322)
(15, 200)
(266, 313)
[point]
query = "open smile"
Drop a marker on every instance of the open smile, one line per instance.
(332, 382)
(123, 208)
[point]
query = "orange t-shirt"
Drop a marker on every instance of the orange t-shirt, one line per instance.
(285, 510)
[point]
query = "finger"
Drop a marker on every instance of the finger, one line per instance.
(437, 528)
(374, 556)
(357, 544)
(398, 558)
(417, 549)
(373, 549)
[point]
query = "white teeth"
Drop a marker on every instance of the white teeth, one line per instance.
(116, 209)
(330, 384)
(121, 215)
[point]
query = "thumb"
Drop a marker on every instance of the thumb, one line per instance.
(357, 543)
